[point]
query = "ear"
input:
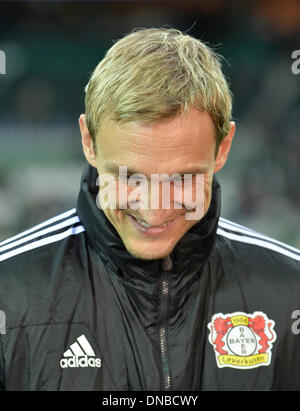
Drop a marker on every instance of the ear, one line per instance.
(224, 148)
(87, 141)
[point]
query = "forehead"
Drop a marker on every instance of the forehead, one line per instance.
(185, 139)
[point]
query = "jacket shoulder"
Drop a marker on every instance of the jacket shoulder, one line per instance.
(33, 264)
(36, 240)
(28, 257)
(256, 248)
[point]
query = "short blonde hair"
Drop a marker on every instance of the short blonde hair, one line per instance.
(153, 74)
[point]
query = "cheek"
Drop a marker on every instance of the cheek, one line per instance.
(122, 195)
(202, 195)
(128, 195)
(200, 189)
(208, 191)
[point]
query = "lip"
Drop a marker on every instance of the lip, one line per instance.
(151, 230)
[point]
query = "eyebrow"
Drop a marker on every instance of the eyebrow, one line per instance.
(114, 169)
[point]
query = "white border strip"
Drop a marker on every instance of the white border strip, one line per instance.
(255, 241)
(77, 350)
(56, 227)
(37, 227)
(44, 241)
(86, 345)
(244, 230)
(224, 220)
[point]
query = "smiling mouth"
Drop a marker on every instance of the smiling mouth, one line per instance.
(150, 229)
(146, 225)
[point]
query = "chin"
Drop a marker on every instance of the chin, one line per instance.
(144, 253)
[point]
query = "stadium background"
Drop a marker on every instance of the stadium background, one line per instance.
(51, 49)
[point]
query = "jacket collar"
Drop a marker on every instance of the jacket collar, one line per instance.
(187, 257)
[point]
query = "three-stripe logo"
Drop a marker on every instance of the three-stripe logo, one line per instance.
(80, 354)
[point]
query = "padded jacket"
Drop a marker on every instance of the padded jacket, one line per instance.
(78, 312)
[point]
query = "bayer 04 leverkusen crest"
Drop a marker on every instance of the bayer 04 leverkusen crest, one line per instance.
(242, 340)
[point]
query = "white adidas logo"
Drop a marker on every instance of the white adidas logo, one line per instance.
(80, 354)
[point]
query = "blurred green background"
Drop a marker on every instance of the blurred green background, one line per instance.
(51, 49)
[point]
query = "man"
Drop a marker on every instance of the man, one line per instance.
(120, 295)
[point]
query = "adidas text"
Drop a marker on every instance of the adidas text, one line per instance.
(76, 362)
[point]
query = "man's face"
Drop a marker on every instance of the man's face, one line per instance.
(184, 144)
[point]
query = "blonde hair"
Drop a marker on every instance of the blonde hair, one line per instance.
(153, 74)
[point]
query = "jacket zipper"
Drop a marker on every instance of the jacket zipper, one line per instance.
(163, 340)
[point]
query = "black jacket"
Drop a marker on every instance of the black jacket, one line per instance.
(81, 313)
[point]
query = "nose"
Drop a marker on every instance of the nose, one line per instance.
(156, 204)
